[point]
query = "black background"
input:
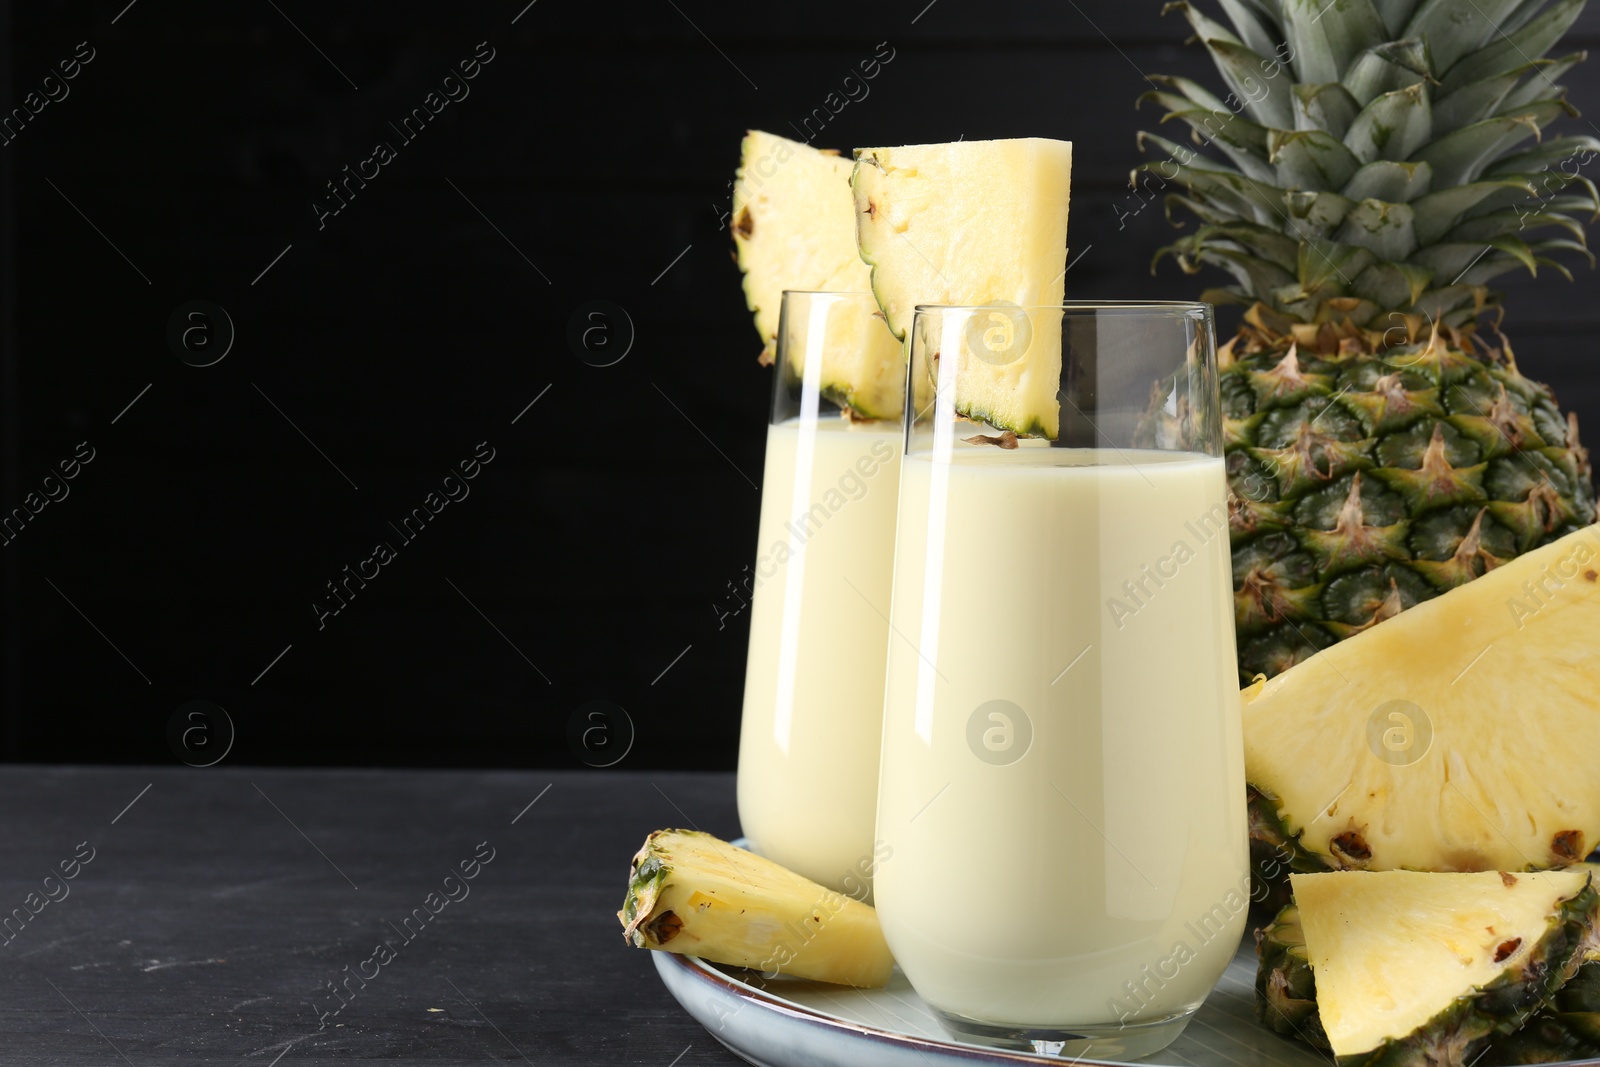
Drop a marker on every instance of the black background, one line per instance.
(589, 162)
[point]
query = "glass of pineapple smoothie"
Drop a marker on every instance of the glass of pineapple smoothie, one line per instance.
(813, 695)
(1062, 801)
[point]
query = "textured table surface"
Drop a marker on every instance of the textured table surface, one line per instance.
(218, 905)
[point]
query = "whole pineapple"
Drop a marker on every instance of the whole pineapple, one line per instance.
(1376, 164)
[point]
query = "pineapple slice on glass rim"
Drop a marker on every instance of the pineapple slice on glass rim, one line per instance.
(793, 222)
(976, 223)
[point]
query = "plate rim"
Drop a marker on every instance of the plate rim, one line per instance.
(705, 972)
(708, 973)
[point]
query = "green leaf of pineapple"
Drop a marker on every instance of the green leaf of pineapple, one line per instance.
(1541, 82)
(1559, 155)
(1327, 34)
(1437, 212)
(1561, 244)
(1193, 91)
(1506, 53)
(1384, 229)
(1392, 285)
(1392, 127)
(1258, 30)
(1264, 242)
(1243, 69)
(1329, 268)
(1256, 275)
(1452, 28)
(1239, 139)
(1310, 159)
(1450, 261)
(1499, 223)
(1328, 107)
(1386, 68)
(1317, 214)
(1387, 179)
(1395, 13)
(1461, 157)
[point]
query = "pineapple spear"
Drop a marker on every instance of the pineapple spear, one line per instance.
(692, 893)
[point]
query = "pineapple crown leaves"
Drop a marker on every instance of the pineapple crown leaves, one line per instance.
(1374, 160)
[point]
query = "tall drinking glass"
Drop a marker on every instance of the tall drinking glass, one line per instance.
(813, 695)
(1062, 796)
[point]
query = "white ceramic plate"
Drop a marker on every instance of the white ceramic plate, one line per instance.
(787, 1022)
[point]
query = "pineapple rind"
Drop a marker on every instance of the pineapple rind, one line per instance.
(692, 893)
(1286, 995)
(1268, 827)
(1569, 1036)
(1564, 1026)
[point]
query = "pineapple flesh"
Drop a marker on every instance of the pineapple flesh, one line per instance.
(1374, 166)
(859, 361)
(692, 893)
(793, 225)
(794, 228)
(1454, 737)
(976, 223)
(1401, 967)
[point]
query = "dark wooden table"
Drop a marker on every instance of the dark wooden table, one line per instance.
(220, 905)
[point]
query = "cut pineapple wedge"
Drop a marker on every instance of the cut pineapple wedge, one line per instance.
(793, 224)
(794, 228)
(1459, 735)
(693, 893)
(976, 223)
(1565, 1027)
(1415, 968)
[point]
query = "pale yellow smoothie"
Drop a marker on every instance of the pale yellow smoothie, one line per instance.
(813, 694)
(1062, 794)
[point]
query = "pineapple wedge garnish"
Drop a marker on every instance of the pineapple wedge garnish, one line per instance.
(976, 223)
(794, 227)
(692, 893)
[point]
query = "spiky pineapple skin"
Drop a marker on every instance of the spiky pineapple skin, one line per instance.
(1286, 994)
(1568, 1030)
(1364, 482)
(1275, 853)
(1495, 1025)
